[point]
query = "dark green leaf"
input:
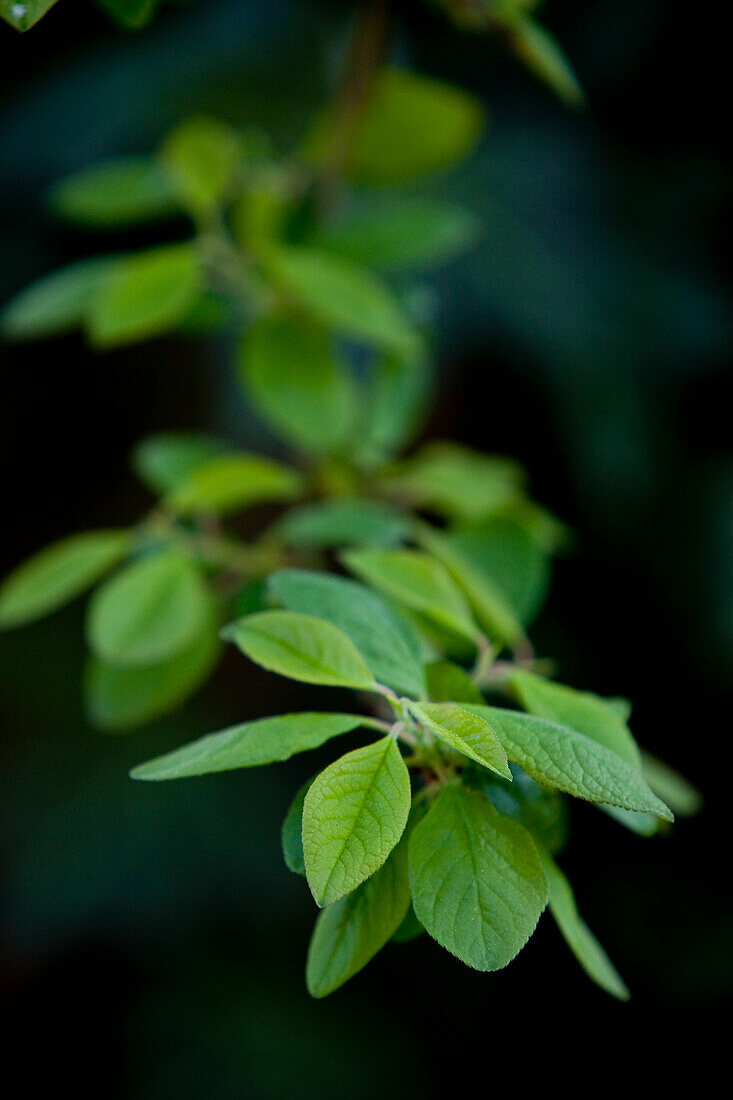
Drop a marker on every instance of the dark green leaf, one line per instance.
(448, 682)
(348, 521)
(163, 461)
(291, 834)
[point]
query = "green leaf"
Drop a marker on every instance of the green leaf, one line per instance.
(348, 521)
(580, 710)
(513, 559)
(453, 481)
(57, 303)
(115, 194)
(400, 233)
(342, 295)
(679, 794)
(562, 758)
(24, 15)
(350, 932)
(132, 14)
(410, 126)
(492, 610)
(577, 934)
(418, 581)
(231, 483)
(146, 294)
(148, 612)
(301, 647)
(118, 699)
(290, 371)
(397, 400)
(477, 882)
(410, 928)
(640, 823)
(540, 809)
(354, 814)
(465, 732)
(388, 645)
(57, 574)
(202, 155)
(539, 51)
(249, 745)
(163, 461)
(291, 834)
(448, 682)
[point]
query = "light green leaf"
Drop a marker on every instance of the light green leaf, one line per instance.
(290, 371)
(395, 406)
(492, 610)
(418, 581)
(350, 932)
(386, 642)
(249, 745)
(147, 293)
(410, 126)
(580, 710)
(163, 461)
(401, 232)
(348, 521)
(24, 15)
(230, 483)
(448, 682)
(576, 932)
(342, 295)
(150, 611)
(477, 882)
(115, 194)
(301, 647)
(465, 732)
(563, 758)
(453, 481)
(57, 574)
(354, 814)
(201, 156)
(57, 303)
(119, 699)
(291, 834)
(679, 794)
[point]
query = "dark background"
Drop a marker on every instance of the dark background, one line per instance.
(153, 941)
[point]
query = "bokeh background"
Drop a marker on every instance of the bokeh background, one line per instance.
(153, 941)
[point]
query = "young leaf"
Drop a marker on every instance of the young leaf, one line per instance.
(448, 682)
(396, 403)
(150, 611)
(291, 834)
(291, 373)
(679, 794)
(411, 126)
(562, 758)
(146, 294)
(401, 232)
(57, 574)
(388, 645)
(348, 298)
(514, 559)
(229, 483)
(349, 521)
(491, 608)
(249, 745)
(118, 699)
(354, 814)
(580, 710)
(454, 481)
(301, 647)
(24, 15)
(201, 156)
(418, 581)
(163, 461)
(350, 932)
(476, 879)
(465, 732)
(576, 932)
(115, 194)
(57, 303)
